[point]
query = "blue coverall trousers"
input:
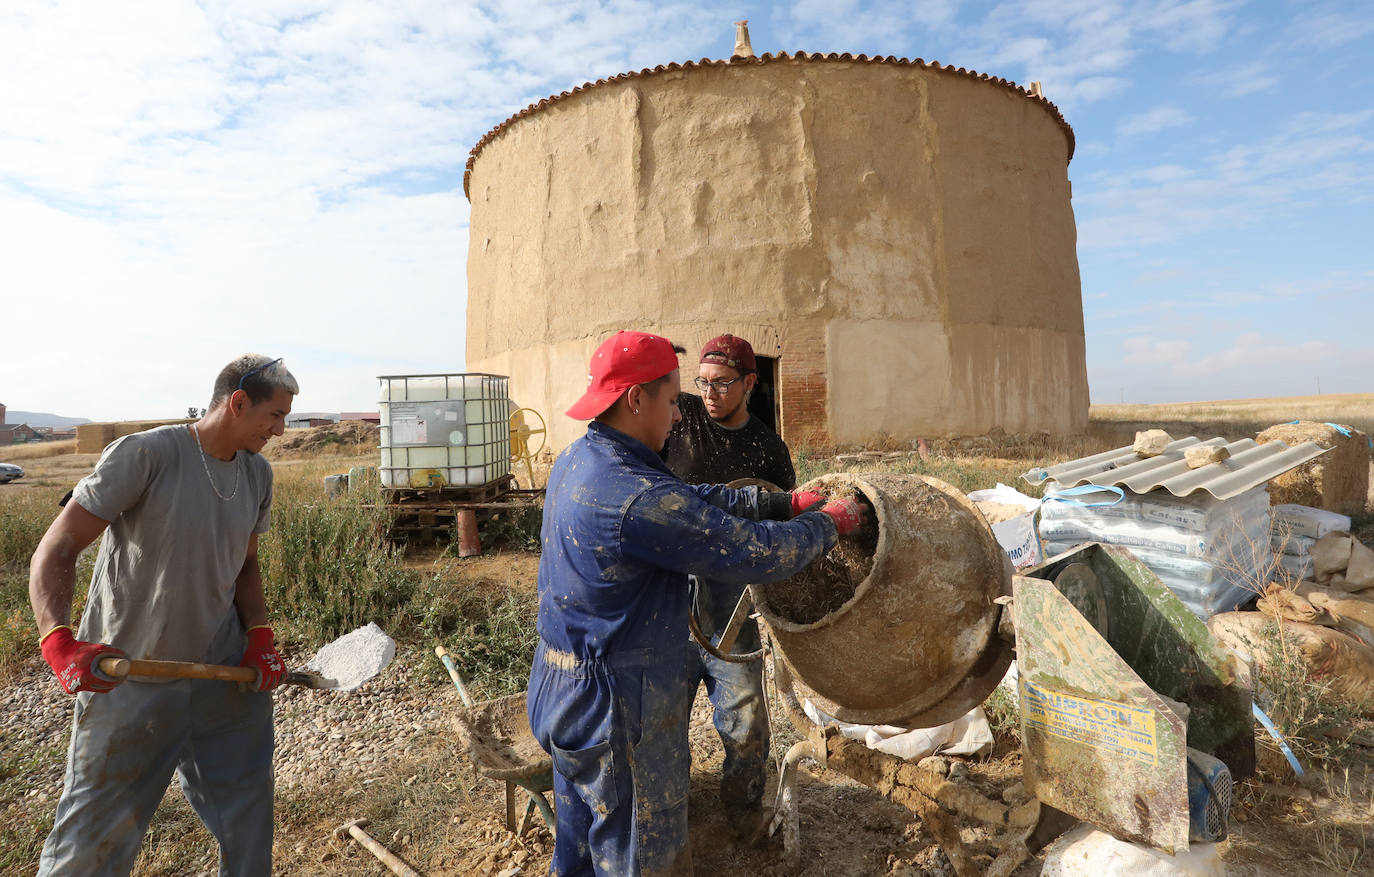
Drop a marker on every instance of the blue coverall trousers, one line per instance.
(616, 728)
(124, 748)
(736, 693)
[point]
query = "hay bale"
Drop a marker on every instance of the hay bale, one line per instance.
(92, 438)
(1337, 481)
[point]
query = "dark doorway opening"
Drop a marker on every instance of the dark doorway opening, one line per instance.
(763, 402)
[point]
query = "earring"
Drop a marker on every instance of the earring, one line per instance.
(635, 411)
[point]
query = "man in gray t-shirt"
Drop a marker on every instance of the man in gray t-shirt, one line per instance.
(176, 578)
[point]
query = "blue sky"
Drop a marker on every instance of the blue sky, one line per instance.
(181, 182)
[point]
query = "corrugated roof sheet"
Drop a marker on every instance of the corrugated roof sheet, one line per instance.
(1250, 465)
(767, 57)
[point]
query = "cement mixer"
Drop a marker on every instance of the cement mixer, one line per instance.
(897, 624)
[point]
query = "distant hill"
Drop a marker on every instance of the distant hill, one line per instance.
(37, 418)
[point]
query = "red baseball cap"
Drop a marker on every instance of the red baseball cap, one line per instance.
(730, 350)
(623, 360)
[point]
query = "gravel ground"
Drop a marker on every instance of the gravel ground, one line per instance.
(315, 729)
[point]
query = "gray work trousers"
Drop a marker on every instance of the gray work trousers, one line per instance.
(125, 746)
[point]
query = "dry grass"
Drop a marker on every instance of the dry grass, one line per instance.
(1232, 418)
(347, 439)
(38, 450)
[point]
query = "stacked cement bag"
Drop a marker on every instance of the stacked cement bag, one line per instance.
(1214, 554)
(1295, 529)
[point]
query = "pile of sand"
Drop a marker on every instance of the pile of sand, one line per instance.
(348, 437)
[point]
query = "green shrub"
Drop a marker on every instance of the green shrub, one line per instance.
(491, 638)
(1302, 707)
(24, 517)
(515, 529)
(329, 568)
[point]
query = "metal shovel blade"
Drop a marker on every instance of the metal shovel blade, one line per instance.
(354, 658)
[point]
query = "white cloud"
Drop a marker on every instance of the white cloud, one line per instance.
(1330, 30)
(1250, 78)
(1152, 121)
(179, 183)
(1195, 26)
(1249, 365)
(854, 26)
(1315, 156)
(1154, 350)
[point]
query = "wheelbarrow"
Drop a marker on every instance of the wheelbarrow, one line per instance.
(497, 736)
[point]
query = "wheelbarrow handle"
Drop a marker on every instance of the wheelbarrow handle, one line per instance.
(452, 669)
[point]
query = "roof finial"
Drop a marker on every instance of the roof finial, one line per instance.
(742, 47)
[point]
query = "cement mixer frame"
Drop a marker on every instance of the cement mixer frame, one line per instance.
(1091, 625)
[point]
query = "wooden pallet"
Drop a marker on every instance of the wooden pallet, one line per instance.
(444, 496)
(424, 519)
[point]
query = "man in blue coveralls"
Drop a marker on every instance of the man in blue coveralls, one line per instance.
(611, 686)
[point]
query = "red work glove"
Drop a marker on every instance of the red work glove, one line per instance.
(805, 499)
(74, 661)
(262, 656)
(847, 514)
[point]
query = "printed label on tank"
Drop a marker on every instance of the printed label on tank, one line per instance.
(1102, 724)
(407, 428)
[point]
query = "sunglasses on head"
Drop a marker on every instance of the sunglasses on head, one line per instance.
(249, 374)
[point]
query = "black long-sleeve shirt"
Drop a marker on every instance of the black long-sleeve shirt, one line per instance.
(701, 451)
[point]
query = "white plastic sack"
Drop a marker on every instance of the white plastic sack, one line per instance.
(1220, 543)
(1290, 543)
(1202, 511)
(1301, 520)
(1300, 568)
(1088, 852)
(1198, 512)
(1090, 506)
(969, 734)
(1016, 536)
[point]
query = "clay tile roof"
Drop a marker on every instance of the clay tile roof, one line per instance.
(766, 57)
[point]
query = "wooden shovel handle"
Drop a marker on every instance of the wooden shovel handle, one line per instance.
(118, 668)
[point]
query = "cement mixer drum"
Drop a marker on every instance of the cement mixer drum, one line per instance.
(897, 624)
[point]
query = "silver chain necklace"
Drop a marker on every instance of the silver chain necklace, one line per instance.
(210, 477)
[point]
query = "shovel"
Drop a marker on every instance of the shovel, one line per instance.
(342, 665)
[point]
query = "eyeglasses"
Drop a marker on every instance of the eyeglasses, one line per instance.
(720, 387)
(249, 374)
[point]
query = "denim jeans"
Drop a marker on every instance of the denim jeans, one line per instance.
(736, 693)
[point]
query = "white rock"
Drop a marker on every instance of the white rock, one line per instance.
(1151, 442)
(1088, 852)
(1205, 455)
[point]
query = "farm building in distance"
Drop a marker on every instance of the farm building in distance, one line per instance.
(895, 238)
(17, 433)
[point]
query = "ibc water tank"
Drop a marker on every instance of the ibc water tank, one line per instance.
(444, 430)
